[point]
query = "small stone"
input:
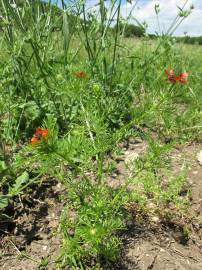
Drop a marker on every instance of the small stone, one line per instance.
(44, 248)
(167, 240)
(199, 157)
(131, 157)
(133, 140)
(59, 185)
(151, 206)
(190, 181)
(119, 158)
(155, 219)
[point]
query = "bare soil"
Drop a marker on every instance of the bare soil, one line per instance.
(31, 233)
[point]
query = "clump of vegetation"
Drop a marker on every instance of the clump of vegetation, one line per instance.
(190, 40)
(72, 87)
(131, 30)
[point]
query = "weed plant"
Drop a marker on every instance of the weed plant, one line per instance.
(72, 87)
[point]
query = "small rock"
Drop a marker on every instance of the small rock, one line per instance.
(155, 219)
(133, 140)
(151, 206)
(167, 240)
(190, 181)
(59, 185)
(199, 157)
(45, 248)
(131, 157)
(119, 158)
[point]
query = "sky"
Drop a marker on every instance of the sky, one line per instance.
(144, 11)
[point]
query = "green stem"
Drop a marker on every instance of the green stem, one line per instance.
(115, 43)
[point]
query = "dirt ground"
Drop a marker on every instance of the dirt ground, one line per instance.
(31, 236)
(162, 247)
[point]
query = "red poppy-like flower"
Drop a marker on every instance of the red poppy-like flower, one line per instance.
(173, 78)
(171, 75)
(34, 140)
(183, 76)
(81, 74)
(42, 132)
(39, 135)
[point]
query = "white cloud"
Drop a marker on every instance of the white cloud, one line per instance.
(145, 12)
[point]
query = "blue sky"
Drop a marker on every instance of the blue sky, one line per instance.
(145, 12)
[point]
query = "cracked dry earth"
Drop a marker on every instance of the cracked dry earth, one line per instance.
(33, 230)
(32, 233)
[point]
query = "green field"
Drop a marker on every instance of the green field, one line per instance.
(98, 137)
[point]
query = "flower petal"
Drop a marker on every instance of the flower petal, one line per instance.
(169, 72)
(39, 131)
(81, 74)
(34, 140)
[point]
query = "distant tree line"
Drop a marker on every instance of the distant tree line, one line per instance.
(190, 40)
(131, 30)
(185, 39)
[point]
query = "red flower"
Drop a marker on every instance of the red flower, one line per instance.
(80, 74)
(39, 135)
(41, 132)
(173, 78)
(171, 75)
(183, 76)
(34, 140)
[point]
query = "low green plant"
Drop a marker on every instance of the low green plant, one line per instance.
(157, 180)
(89, 225)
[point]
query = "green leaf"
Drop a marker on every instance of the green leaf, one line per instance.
(31, 110)
(2, 166)
(19, 182)
(3, 201)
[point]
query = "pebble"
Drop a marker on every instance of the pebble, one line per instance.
(59, 185)
(44, 248)
(191, 182)
(155, 219)
(151, 206)
(199, 157)
(131, 157)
